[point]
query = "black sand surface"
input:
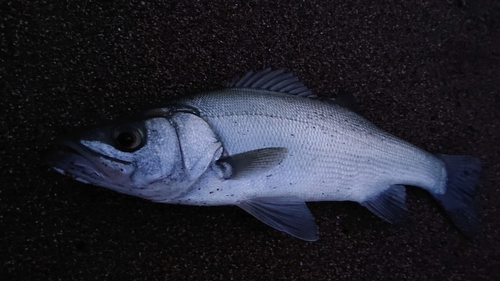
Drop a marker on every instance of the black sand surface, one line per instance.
(426, 71)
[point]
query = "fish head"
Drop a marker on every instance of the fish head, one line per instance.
(140, 158)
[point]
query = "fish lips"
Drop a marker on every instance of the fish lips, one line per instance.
(75, 160)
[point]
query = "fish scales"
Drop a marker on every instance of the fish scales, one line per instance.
(346, 153)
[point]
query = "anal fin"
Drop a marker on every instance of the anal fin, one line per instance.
(389, 205)
(287, 214)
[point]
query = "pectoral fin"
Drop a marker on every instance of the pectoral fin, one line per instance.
(389, 205)
(289, 214)
(254, 161)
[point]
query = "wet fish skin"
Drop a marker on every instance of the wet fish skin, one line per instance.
(267, 145)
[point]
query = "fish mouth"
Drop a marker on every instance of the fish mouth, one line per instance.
(73, 159)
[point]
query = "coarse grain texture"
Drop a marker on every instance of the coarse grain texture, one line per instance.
(425, 71)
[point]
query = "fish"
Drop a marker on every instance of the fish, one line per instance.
(266, 144)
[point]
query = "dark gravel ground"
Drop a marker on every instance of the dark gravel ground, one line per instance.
(426, 71)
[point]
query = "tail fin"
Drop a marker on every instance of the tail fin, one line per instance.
(458, 200)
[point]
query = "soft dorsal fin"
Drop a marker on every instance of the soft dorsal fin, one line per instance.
(272, 80)
(346, 100)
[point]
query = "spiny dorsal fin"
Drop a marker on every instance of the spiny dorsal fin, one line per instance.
(272, 80)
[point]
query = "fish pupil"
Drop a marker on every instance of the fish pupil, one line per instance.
(125, 139)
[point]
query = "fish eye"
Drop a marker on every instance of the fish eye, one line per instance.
(127, 138)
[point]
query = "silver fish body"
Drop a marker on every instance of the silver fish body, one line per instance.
(266, 145)
(333, 153)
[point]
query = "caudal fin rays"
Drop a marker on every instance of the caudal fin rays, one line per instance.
(458, 200)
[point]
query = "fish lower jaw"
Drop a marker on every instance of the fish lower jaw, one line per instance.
(65, 173)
